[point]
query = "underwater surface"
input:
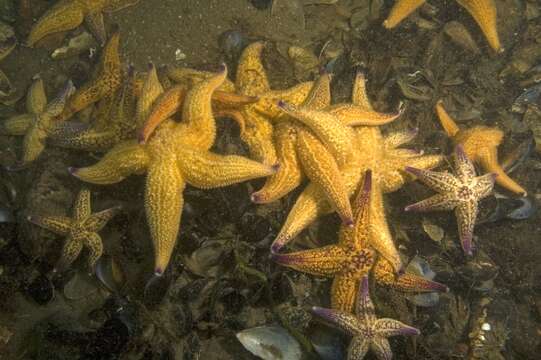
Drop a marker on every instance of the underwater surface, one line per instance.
(275, 179)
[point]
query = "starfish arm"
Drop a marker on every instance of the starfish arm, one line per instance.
(484, 185)
(466, 213)
(399, 138)
(343, 320)
(60, 225)
(197, 109)
(437, 181)
(310, 205)
(124, 159)
(164, 106)
(94, 244)
(36, 100)
(267, 105)
(364, 307)
(401, 10)
(17, 125)
(251, 76)
(81, 209)
(381, 348)
(384, 274)
(289, 174)
(64, 15)
(96, 26)
(380, 236)
(359, 95)
(95, 222)
(390, 327)
(33, 144)
(70, 251)
(336, 136)
(208, 170)
(105, 81)
(358, 347)
(438, 202)
(463, 166)
(324, 261)
(425, 161)
(258, 134)
(65, 136)
(189, 77)
(321, 168)
(319, 96)
(484, 13)
(354, 115)
(446, 121)
(343, 292)
(362, 213)
(489, 161)
(152, 88)
(163, 205)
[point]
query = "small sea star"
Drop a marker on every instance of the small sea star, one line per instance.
(368, 332)
(81, 230)
(461, 192)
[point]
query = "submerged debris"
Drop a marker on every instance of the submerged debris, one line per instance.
(270, 342)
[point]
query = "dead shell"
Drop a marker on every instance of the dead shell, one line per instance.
(271, 342)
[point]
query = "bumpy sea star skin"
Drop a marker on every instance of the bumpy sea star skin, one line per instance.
(176, 154)
(108, 129)
(81, 230)
(171, 101)
(483, 11)
(368, 332)
(461, 192)
(69, 14)
(106, 79)
(370, 151)
(352, 258)
(481, 146)
(38, 122)
(347, 262)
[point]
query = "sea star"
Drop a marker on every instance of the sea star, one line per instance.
(81, 230)
(371, 151)
(113, 124)
(368, 332)
(483, 11)
(105, 80)
(461, 192)
(481, 146)
(39, 120)
(176, 154)
(68, 14)
(352, 258)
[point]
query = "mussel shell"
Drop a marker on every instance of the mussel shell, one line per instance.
(155, 290)
(110, 274)
(41, 290)
(270, 342)
(500, 207)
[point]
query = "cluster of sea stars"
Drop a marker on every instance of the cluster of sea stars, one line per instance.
(292, 135)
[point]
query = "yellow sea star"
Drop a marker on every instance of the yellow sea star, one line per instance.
(105, 80)
(40, 120)
(483, 11)
(481, 146)
(68, 14)
(81, 230)
(352, 258)
(371, 151)
(176, 154)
